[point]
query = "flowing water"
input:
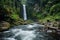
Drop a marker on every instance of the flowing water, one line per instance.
(25, 32)
(24, 12)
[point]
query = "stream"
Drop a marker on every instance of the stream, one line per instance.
(26, 32)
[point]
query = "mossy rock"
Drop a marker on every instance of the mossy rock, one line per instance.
(4, 26)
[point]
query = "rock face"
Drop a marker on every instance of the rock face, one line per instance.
(4, 25)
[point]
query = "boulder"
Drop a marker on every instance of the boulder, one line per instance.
(4, 26)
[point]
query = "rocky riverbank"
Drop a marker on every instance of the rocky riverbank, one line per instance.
(53, 28)
(5, 25)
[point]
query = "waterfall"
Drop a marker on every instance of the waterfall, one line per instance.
(24, 12)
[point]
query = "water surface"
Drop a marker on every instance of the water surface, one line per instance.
(26, 32)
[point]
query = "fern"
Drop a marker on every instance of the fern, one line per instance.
(54, 7)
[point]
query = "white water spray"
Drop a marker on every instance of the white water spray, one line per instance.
(25, 35)
(24, 12)
(21, 33)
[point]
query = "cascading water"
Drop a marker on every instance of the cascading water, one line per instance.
(25, 32)
(24, 12)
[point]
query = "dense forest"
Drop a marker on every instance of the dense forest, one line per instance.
(11, 11)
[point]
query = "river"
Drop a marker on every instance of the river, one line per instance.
(26, 32)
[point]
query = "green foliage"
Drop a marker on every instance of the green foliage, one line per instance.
(15, 16)
(36, 9)
(11, 11)
(23, 1)
(55, 8)
(48, 9)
